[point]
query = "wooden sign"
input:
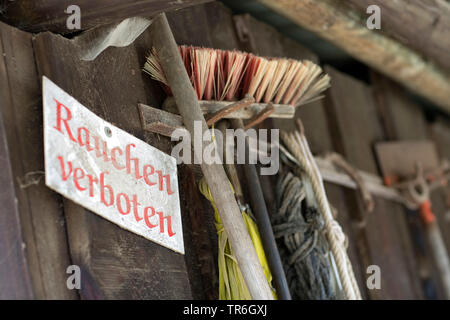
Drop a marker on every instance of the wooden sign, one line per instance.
(109, 171)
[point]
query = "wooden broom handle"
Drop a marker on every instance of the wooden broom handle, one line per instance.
(215, 176)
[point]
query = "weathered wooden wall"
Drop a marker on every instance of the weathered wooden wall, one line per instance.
(118, 264)
(38, 16)
(42, 221)
(404, 120)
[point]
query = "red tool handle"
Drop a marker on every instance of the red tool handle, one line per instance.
(426, 214)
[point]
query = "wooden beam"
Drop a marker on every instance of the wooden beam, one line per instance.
(347, 29)
(422, 25)
(38, 16)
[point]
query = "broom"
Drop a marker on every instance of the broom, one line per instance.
(231, 75)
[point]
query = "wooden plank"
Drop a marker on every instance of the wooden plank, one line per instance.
(41, 216)
(14, 274)
(420, 24)
(355, 128)
(440, 133)
(345, 28)
(263, 39)
(188, 26)
(400, 157)
(405, 120)
(38, 16)
(115, 263)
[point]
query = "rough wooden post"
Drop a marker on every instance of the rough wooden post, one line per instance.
(215, 176)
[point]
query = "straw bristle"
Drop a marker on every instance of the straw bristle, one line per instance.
(233, 70)
(153, 67)
(230, 75)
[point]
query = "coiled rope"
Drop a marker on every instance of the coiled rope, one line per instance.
(297, 144)
(302, 243)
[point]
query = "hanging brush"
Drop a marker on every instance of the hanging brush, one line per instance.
(231, 75)
(258, 87)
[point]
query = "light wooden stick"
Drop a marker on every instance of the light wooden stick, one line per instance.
(215, 176)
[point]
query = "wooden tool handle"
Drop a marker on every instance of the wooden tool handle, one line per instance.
(215, 176)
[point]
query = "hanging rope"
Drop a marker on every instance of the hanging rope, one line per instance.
(231, 282)
(297, 144)
(303, 246)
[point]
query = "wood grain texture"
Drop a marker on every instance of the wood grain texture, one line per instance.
(440, 133)
(38, 15)
(355, 128)
(404, 120)
(115, 263)
(423, 25)
(346, 29)
(14, 274)
(40, 211)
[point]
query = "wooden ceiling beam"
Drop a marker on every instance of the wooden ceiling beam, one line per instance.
(347, 29)
(423, 25)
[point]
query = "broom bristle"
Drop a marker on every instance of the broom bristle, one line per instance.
(230, 75)
(234, 67)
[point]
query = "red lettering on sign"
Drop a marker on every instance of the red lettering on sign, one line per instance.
(60, 120)
(92, 180)
(122, 201)
(147, 174)
(119, 204)
(77, 177)
(104, 186)
(87, 138)
(147, 217)
(169, 224)
(63, 170)
(113, 158)
(104, 150)
(161, 178)
(129, 159)
(101, 151)
(135, 208)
